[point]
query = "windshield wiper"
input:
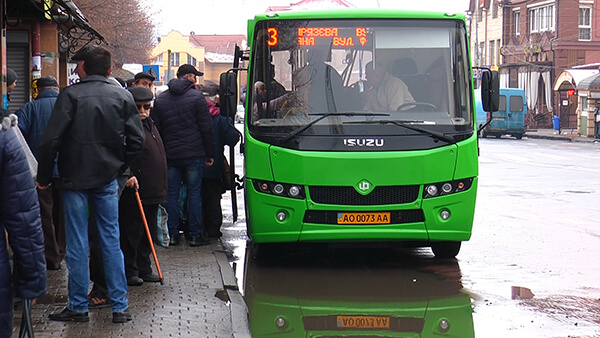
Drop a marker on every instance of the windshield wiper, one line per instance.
(324, 115)
(409, 124)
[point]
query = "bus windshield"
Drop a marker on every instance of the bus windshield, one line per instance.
(316, 78)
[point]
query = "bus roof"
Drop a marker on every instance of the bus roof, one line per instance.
(357, 13)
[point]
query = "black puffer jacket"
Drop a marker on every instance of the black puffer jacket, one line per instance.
(20, 217)
(182, 118)
(96, 129)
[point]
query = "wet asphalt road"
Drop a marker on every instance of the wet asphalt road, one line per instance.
(529, 270)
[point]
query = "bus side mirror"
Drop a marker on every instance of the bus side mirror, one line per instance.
(228, 94)
(490, 90)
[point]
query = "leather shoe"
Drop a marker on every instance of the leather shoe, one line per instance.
(174, 240)
(52, 266)
(199, 241)
(135, 281)
(67, 315)
(151, 278)
(122, 317)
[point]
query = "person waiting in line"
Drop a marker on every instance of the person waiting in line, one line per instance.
(183, 120)
(118, 135)
(33, 119)
(20, 227)
(384, 91)
(144, 79)
(148, 174)
(212, 183)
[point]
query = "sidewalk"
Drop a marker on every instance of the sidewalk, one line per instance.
(199, 298)
(565, 135)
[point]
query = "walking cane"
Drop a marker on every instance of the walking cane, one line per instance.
(137, 196)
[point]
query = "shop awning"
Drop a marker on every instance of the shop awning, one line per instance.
(570, 78)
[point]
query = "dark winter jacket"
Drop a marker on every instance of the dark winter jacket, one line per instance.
(182, 118)
(33, 119)
(34, 116)
(96, 129)
(20, 217)
(225, 134)
(150, 169)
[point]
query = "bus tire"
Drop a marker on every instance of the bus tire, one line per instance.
(445, 250)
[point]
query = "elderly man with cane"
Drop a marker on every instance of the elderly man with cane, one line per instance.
(148, 174)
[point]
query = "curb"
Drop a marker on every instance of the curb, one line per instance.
(563, 138)
(237, 305)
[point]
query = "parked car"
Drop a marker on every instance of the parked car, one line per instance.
(239, 114)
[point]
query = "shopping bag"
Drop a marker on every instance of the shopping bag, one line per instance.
(162, 234)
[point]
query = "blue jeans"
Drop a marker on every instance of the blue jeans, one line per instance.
(105, 201)
(189, 171)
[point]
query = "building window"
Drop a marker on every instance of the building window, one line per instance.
(533, 23)
(159, 59)
(479, 14)
(517, 17)
(482, 53)
(495, 10)
(498, 46)
(191, 60)
(585, 23)
(175, 59)
(541, 19)
(492, 54)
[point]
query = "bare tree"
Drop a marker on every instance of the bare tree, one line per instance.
(126, 25)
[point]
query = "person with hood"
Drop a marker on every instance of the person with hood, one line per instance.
(182, 118)
(148, 174)
(20, 220)
(33, 119)
(212, 183)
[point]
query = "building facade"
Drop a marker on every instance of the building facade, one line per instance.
(37, 38)
(541, 39)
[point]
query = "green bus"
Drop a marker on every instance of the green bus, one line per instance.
(359, 126)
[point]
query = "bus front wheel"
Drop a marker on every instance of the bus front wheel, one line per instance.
(445, 249)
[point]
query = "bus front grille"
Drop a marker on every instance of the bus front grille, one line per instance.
(379, 196)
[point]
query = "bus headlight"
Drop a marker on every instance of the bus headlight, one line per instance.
(294, 191)
(432, 190)
(279, 189)
(446, 188)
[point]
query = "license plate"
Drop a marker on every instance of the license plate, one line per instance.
(363, 322)
(363, 218)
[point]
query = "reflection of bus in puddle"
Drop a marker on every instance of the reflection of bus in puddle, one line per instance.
(356, 302)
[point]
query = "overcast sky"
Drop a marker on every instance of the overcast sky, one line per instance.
(231, 16)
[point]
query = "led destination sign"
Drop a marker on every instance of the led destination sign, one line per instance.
(341, 37)
(310, 36)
